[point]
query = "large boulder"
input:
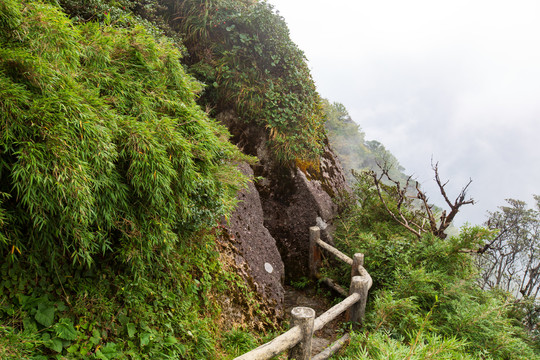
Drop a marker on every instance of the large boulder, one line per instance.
(295, 198)
(256, 248)
(294, 195)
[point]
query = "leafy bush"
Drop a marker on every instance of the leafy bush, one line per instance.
(108, 313)
(381, 346)
(238, 342)
(111, 181)
(425, 302)
(243, 52)
(103, 146)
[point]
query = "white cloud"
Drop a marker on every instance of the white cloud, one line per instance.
(458, 81)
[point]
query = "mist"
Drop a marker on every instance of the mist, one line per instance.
(456, 83)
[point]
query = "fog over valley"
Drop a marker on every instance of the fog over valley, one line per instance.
(457, 82)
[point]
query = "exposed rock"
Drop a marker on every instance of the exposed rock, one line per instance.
(294, 196)
(293, 200)
(237, 311)
(256, 247)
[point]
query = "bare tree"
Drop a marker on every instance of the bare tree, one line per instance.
(423, 220)
(511, 261)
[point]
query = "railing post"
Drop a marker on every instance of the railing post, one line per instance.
(314, 251)
(358, 260)
(357, 312)
(303, 317)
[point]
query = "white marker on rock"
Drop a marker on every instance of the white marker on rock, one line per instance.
(268, 267)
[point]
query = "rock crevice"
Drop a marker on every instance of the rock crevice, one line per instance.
(273, 218)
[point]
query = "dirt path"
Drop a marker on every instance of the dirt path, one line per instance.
(319, 303)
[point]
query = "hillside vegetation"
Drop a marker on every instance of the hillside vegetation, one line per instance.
(116, 182)
(112, 180)
(430, 298)
(426, 302)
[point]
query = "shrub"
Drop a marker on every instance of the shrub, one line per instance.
(425, 302)
(103, 146)
(243, 52)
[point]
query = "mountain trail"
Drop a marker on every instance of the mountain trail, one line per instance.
(320, 303)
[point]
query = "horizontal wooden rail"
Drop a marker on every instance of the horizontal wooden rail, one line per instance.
(334, 286)
(335, 311)
(332, 349)
(332, 250)
(275, 347)
(298, 339)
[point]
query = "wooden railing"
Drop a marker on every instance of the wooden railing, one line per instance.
(298, 339)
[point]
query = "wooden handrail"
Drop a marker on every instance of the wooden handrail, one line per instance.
(363, 272)
(335, 311)
(333, 348)
(275, 347)
(292, 337)
(298, 338)
(332, 250)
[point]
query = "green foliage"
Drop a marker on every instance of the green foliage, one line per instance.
(302, 283)
(111, 179)
(238, 342)
(122, 13)
(425, 302)
(382, 346)
(243, 53)
(103, 146)
(110, 314)
(10, 15)
(242, 50)
(15, 345)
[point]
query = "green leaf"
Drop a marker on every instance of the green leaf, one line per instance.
(85, 348)
(145, 339)
(45, 314)
(64, 329)
(96, 337)
(73, 348)
(123, 319)
(29, 325)
(131, 329)
(108, 351)
(170, 340)
(55, 344)
(61, 306)
(46, 337)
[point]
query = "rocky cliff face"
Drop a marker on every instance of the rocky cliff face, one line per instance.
(256, 248)
(292, 198)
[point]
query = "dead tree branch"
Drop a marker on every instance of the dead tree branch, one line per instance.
(446, 219)
(415, 221)
(402, 219)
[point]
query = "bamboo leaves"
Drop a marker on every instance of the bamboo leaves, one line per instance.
(103, 145)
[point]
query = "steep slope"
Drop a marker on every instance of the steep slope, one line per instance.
(115, 182)
(260, 87)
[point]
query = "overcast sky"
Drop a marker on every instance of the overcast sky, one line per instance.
(456, 80)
